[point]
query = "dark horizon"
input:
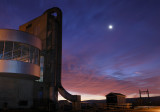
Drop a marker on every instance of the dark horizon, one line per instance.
(98, 59)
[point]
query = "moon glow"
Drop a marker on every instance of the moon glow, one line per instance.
(110, 27)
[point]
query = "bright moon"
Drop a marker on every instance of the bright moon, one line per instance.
(110, 27)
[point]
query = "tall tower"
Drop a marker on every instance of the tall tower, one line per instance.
(48, 27)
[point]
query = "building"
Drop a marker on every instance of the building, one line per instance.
(20, 63)
(115, 98)
(19, 67)
(48, 27)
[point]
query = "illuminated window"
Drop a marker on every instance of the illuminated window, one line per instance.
(18, 51)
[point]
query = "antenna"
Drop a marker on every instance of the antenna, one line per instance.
(144, 100)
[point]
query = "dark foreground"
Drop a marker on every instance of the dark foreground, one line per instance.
(153, 109)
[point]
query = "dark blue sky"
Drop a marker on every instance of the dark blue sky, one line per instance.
(97, 60)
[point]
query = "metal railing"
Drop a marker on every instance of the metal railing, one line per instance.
(19, 55)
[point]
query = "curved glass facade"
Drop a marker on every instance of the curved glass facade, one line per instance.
(18, 51)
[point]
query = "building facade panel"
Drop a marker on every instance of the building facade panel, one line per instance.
(19, 54)
(19, 69)
(20, 36)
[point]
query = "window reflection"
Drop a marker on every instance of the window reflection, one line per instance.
(8, 46)
(1, 49)
(18, 51)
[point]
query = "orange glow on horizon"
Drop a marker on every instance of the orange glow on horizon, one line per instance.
(85, 97)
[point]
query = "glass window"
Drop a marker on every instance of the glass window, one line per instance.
(41, 68)
(8, 50)
(25, 53)
(1, 49)
(19, 51)
(32, 55)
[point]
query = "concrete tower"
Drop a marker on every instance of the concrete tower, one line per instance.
(48, 27)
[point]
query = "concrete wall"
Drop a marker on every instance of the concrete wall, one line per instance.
(37, 27)
(17, 93)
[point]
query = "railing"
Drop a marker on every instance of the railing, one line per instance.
(17, 54)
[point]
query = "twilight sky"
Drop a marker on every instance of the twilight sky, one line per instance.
(98, 60)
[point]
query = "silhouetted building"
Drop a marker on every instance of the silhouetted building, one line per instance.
(115, 98)
(48, 27)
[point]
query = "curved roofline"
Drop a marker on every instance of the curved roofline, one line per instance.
(115, 94)
(20, 36)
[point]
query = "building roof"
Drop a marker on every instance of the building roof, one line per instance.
(114, 94)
